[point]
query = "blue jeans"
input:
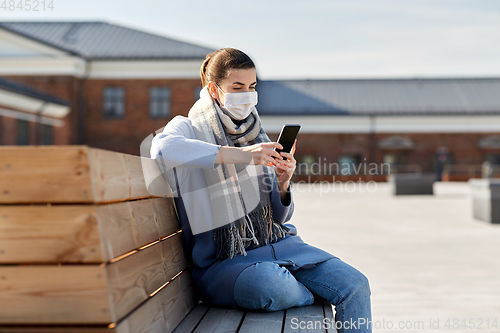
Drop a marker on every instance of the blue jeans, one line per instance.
(271, 287)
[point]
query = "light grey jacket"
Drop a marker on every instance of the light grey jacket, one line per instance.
(181, 158)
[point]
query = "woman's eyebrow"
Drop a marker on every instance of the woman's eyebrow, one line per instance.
(242, 84)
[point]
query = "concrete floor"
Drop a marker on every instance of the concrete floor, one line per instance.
(425, 256)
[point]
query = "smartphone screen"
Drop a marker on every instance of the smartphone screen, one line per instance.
(287, 137)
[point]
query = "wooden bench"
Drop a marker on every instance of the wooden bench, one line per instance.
(90, 242)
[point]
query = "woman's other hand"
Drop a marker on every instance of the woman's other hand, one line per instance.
(260, 153)
(285, 168)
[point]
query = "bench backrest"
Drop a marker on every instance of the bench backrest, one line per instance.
(83, 242)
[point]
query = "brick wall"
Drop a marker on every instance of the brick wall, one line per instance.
(123, 135)
(126, 134)
(330, 146)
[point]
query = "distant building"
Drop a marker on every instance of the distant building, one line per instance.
(428, 125)
(28, 116)
(116, 85)
(109, 87)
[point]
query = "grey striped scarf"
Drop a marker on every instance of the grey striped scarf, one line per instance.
(239, 193)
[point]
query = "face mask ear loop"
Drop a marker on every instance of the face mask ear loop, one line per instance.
(218, 100)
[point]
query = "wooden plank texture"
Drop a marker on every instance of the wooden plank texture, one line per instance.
(53, 294)
(220, 320)
(117, 176)
(55, 329)
(49, 234)
(82, 233)
(163, 311)
(126, 226)
(177, 302)
(40, 174)
(269, 322)
(194, 317)
(98, 294)
(305, 319)
(75, 174)
(133, 279)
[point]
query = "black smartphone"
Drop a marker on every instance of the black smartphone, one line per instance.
(287, 137)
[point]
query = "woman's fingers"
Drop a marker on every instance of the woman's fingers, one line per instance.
(272, 145)
(289, 156)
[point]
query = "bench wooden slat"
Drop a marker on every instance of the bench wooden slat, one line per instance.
(52, 294)
(132, 279)
(269, 322)
(126, 226)
(179, 301)
(313, 313)
(75, 174)
(328, 309)
(55, 329)
(189, 323)
(87, 293)
(164, 311)
(220, 320)
(82, 233)
(49, 234)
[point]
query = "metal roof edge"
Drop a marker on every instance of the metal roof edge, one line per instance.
(22, 89)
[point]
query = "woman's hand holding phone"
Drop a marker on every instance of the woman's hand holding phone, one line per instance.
(285, 169)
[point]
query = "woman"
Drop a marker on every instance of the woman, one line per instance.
(233, 199)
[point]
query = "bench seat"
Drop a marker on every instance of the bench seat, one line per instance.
(204, 319)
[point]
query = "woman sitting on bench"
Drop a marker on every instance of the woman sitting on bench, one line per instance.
(232, 194)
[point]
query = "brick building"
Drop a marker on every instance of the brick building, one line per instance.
(427, 125)
(120, 84)
(113, 86)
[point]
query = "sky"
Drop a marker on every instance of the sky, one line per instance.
(316, 39)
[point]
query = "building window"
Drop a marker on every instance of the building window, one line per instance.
(46, 134)
(396, 161)
(159, 102)
(305, 164)
(493, 158)
(23, 133)
(349, 164)
(114, 102)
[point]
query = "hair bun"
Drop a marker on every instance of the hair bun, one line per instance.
(216, 64)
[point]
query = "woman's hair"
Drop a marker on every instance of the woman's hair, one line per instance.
(217, 64)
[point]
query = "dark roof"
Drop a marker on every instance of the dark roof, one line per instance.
(380, 97)
(25, 90)
(101, 40)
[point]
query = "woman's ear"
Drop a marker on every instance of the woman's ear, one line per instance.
(212, 89)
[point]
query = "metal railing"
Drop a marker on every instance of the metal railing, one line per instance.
(402, 168)
(470, 170)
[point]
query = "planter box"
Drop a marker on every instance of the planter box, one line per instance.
(412, 183)
(486, 199)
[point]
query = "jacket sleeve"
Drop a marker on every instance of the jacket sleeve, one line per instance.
(282, 211)
(176, 147)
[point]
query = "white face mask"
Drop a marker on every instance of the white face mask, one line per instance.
(239, 105)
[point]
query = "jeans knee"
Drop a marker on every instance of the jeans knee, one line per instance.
(361, 284)
(270, 287)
